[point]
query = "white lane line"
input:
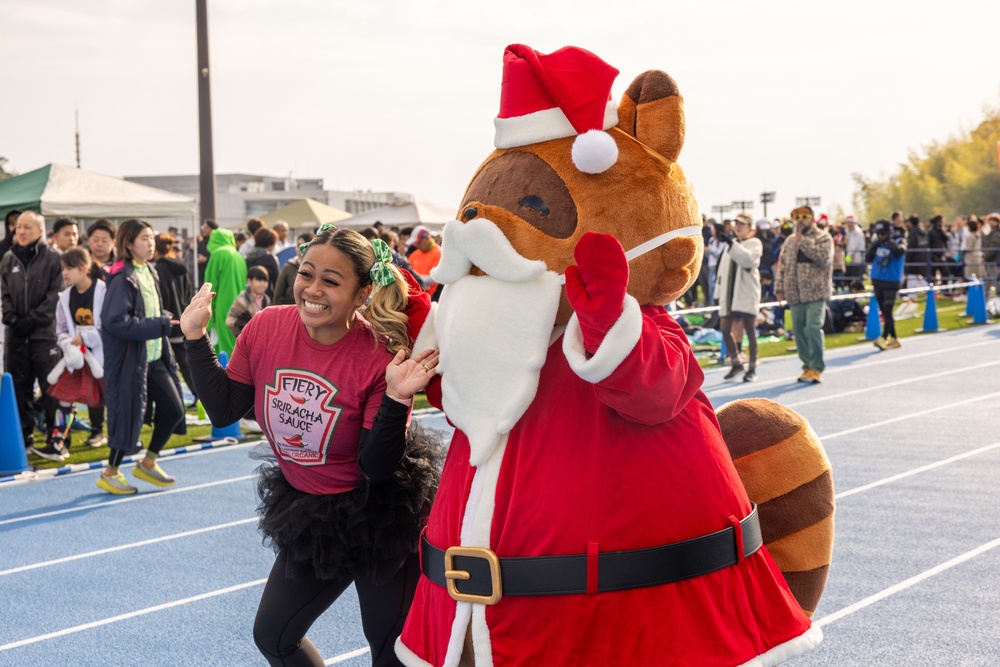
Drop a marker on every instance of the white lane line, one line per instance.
(888, 359)
(909, 583)
(122, 547)
(346, 656)
(947, 406)
(896, 383)
(128, 499)
(131, 614)
(916, 471)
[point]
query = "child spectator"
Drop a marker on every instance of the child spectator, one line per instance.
(78, 333)
(251, 301)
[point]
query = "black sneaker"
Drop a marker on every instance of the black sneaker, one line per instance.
(51, 451)
(751, 375)
(731, 375)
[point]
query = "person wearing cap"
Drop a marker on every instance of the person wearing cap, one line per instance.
(426, 256)
(886, 255)
(854, 249)
(991, 251)
(738, 289)
(804, 279)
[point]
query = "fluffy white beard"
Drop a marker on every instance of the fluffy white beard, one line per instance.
(493, 336)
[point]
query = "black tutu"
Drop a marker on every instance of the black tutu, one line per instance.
(367, 533)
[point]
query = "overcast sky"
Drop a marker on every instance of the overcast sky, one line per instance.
(391, 95)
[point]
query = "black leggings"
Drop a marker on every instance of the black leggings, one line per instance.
(289, 607)
(168, 409)
(732, 345)
(885, 296)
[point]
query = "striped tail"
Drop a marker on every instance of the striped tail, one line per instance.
(786, 472)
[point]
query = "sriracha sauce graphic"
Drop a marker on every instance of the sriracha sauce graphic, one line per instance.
(300, 416)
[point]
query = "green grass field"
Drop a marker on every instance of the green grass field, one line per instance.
(950, 316)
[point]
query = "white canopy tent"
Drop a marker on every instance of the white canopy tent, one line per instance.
(403, 214)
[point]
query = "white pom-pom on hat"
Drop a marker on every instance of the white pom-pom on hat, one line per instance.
(594, 152)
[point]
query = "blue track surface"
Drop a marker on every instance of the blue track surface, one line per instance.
(172, 577)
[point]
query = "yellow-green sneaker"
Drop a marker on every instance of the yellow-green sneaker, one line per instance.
(154, 475)
(116, 485)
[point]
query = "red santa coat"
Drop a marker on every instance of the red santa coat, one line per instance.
(635, 460)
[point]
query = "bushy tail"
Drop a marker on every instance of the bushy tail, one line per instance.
(787, 473)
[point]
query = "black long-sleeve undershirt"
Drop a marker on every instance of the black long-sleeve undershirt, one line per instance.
(380, 449)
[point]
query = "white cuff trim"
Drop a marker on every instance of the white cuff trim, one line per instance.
(617, 344)
(544, 125)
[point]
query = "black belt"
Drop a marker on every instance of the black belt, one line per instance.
(476, 574)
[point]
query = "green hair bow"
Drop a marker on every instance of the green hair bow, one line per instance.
(380, 272)
(322, 228)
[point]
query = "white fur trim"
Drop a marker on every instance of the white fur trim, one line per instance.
(617, 344)
(476, 524)
(545, 125)
(804, 643)
(594, 152)
(408, 657)
(427, 338)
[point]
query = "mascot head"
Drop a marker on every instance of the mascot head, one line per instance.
(569, 161)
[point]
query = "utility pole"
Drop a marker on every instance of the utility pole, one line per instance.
(207, 178)
(765, 199)
(77, 113)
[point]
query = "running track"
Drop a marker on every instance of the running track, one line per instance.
(172, 577)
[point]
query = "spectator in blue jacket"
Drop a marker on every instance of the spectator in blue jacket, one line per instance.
(887, 255)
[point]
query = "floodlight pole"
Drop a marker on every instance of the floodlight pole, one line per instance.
(742, 204)
(207, 178)
(720, 209)
(765, 199)
(807, 201)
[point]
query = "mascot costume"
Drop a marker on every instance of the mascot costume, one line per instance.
(590, 511)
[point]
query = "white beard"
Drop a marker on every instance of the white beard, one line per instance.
(493, 334)
(493, 337)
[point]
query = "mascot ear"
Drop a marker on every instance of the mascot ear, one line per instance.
(652, 111)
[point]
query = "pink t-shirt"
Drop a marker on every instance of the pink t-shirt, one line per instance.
(311, 400)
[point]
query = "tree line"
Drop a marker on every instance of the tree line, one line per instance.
(960, 176)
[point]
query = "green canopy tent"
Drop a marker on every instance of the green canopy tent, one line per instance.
(56, 190)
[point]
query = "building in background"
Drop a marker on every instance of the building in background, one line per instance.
(242, 196)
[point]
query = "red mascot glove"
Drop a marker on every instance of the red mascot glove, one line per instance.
(596, 284)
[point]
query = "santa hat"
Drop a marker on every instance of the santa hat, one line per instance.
(566, 93)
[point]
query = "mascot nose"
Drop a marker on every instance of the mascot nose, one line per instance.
(470, 213)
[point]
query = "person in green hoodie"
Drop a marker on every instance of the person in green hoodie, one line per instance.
(227, 272)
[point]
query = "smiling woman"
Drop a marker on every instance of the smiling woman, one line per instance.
(332, 387)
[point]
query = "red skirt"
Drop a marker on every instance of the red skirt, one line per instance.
(78, 387)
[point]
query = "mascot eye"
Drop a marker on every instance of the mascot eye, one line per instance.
(537, 203)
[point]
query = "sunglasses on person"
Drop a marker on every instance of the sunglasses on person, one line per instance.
(802, 216)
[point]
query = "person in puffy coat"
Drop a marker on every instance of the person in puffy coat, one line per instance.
(738, 289)
(138, 363)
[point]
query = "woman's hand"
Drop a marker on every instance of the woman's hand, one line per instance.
(195, 318)
(77, 341)
(405, 377)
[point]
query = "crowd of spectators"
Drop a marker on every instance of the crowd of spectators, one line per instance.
(250, 269)
(931, 252)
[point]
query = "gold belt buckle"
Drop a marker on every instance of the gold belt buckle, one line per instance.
(452, 574)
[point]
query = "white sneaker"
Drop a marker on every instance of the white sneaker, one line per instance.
(249, 426)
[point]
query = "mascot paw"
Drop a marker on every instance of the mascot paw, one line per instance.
(596, 285)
